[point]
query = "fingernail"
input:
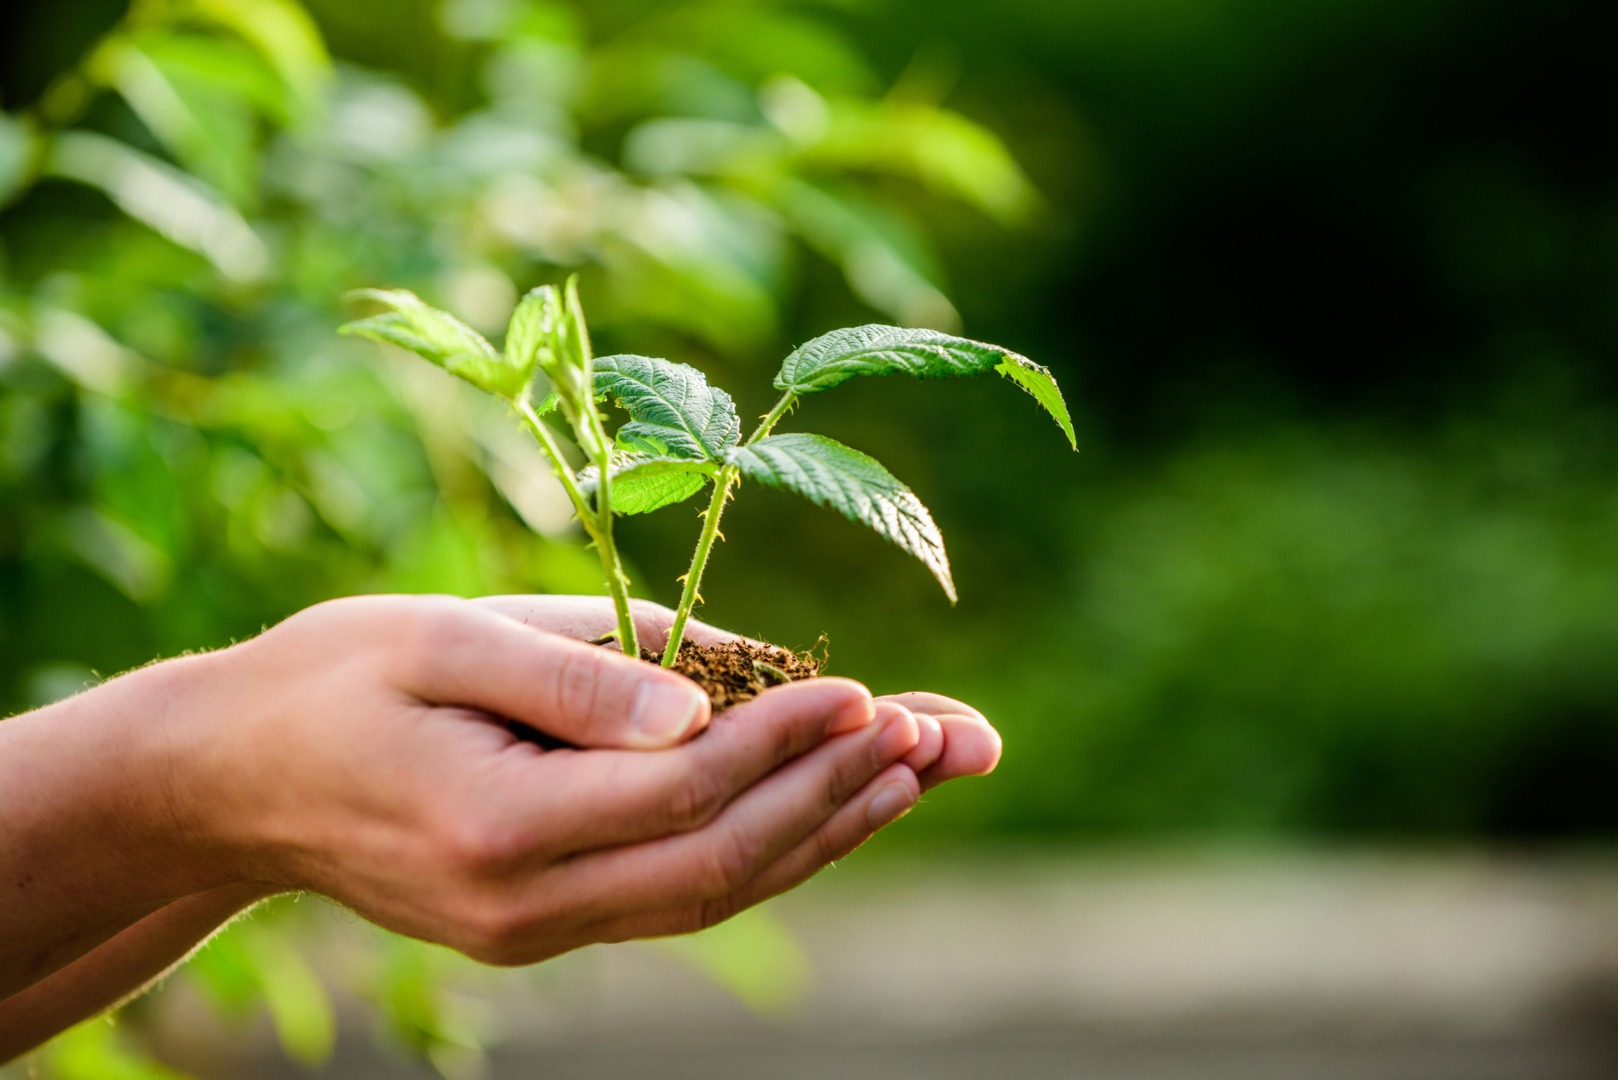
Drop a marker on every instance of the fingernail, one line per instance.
(890, 804)
(898, 737)
(664, 711)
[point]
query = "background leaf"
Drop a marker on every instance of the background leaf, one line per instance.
(94, 1050)
(753, 955)
(300, 1008)
(856, 485)
(156, 194)
(940, 149)
(280, 31)
(671, 407)
(199, 97)
(16, 156)
(834, 358)
(885, 257)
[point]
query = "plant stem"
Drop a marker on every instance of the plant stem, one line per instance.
(559, 465)
(597, 523)
(617, 580)
(699, 562)
(773, 417)
(710, 531)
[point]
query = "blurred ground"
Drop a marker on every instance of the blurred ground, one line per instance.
(1413, 965)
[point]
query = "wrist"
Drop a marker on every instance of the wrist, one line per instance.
(191, 738)
(148, 731)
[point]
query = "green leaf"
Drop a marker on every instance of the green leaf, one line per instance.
(283, 33)
(885, 257)
(533, 328)
(96, 1050)
(199, 97)
(753, 955)
(17, 152)
(642, 484)
(158, 195)
(936, 147)
(672, 409)
(300, 1008)
(440, 337)
(855, 485)
(1037, 381)
(575, 334)
(834, 358)
(547, 332)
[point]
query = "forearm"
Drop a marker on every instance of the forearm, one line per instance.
(119, 968)
(92, 835)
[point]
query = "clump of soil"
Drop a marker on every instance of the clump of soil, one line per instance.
(738, 671)
(729, 674)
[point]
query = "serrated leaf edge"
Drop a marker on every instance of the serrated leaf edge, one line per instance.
(911, 506)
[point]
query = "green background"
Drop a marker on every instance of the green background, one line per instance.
(1329, 286)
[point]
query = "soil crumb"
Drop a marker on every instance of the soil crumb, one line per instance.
(739, 671)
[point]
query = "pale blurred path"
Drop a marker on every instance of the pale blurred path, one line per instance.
(1413, 966)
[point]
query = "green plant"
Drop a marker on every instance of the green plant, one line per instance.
(683, 435)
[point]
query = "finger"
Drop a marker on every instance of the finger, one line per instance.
(930, 745)
(933, 704)
(885, 799)
(590, 618)
(469, 656)
(632, 797)
(760, 826)
(971, 748)
(971, 745)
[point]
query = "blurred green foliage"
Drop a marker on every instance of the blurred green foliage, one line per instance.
(188, 453)
(193, 195)
(1330, 287)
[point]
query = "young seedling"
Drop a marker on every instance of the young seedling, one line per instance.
(683, 436)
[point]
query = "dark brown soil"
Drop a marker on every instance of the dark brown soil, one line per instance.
(738, 671)
(730, 674)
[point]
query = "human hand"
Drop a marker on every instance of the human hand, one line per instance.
(361, 750)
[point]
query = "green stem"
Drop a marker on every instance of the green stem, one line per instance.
(773, 417)
(597, 523)
(699, 562)
(710, 531)
(617, 580)
(559, 465)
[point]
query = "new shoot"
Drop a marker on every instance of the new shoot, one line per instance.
(683, 436)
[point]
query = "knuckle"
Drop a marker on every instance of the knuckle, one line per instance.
(734, 858)
(480, 847)
(492, 931)
(834, 790)
(422, 631)
(713, 912)
(697, 799)
(578, 685)
(826, 847)
(841, 781)
(358, 617)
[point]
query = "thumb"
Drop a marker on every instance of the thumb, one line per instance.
(580, 693)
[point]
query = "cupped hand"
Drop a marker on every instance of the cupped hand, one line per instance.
(362, 750)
